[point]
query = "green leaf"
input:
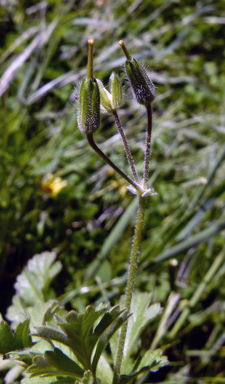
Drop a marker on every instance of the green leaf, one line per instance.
(77, 333)
(32, 285)
(104, 371)
(115, 319)
(39, 313)
(151, 361)
(14, 312)
(10, 341)
(54, 363)
(48, 333)
(22, 337)
(81, 334)
(86, 379)
(37, 380)
(142, 314)
(6, 338)
(24, 357)
(154, 360)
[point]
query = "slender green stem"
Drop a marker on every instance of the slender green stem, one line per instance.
(118, 170)
(130, 283)
(126, 146)
(148, 144)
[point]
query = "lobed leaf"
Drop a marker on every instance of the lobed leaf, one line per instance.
(115, 319)
(142, 314)
(151, 361)
(55, 363)
(32, 285)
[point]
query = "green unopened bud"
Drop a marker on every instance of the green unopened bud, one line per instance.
(105, 97)
(111, 101)
(88, 117)
(142, 86)
(89, 106)
(116, 91)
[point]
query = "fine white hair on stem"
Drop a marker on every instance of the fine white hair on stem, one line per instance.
(75, 94)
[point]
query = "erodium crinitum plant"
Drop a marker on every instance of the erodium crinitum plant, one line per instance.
(48, 344)
(92, 95)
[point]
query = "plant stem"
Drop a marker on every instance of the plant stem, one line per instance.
(130, 283)
(126, 146)
(118, 170)
(148, 144)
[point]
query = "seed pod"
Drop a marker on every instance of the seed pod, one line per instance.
(142, 86)
(88, 117)
(116, 91)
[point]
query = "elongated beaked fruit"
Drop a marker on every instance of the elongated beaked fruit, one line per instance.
(88, 117)
(142, 86)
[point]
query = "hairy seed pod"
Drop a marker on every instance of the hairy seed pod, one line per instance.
(88, 117)
(142, 86)
(116, 91)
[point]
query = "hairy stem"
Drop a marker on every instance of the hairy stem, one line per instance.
(104, 157)
(148, 144)
(126, 146)
(130, 283)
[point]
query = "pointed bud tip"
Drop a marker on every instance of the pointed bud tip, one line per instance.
(121, 43)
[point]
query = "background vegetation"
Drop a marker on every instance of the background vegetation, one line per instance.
(88, 220)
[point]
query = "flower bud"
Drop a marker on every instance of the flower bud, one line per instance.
(88, 117)
(105, 97)
(111, 101)
(142, 86)
(116, 91)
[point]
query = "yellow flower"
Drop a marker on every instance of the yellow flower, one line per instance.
(52, 185)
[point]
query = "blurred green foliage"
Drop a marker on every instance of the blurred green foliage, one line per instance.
(43, 53)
